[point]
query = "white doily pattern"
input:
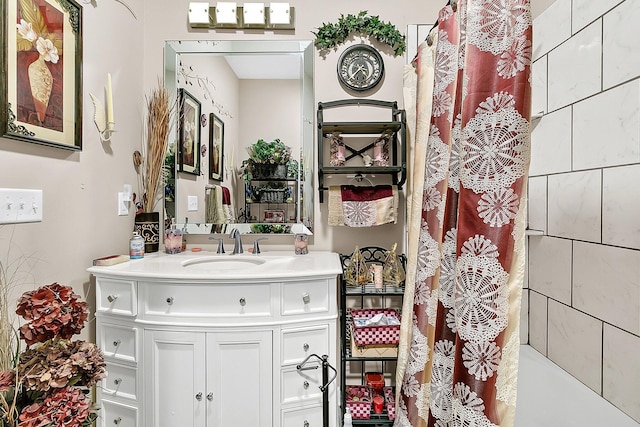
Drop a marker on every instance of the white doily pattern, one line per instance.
(447, 279)
(479, 246)
(515, 58)
(431, 199)
(492, 25)
(441, 386)
(481, 298)
(481, 359)
(495, 146)
(437, 161)
(454, 159)
(442, 103)
(357, 214)
(499, 207)
(507, 380)
(446, 63)
(428, 255)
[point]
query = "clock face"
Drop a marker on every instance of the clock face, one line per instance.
(360, 67)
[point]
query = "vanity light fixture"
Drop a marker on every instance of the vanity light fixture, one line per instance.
(253, 14)
(278, 16)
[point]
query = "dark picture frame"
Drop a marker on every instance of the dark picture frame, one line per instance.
(41, 83)
(189, 133)
(216, 148)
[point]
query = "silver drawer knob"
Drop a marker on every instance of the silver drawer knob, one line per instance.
(117, 421)
(306, 423)
(243, 302)
(305, 347)
(117, 381)
(305, 385)
(170, 300)
(210, 397)
(306, 298)
(112, 298)
(199, 397)
(116, 343)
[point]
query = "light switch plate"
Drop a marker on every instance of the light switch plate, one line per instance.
(123, 204)
(17, 206)
(192, 203)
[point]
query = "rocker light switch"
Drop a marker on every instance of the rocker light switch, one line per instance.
(192, 203)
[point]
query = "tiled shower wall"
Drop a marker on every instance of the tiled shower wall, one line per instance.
(584, 194)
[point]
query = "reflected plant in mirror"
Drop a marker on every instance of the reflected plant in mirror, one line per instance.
(264, 91)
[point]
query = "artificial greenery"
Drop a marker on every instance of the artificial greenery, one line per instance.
(264, 158)
(331, 35)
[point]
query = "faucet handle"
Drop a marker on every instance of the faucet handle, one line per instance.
(220, 244)
(256, 247)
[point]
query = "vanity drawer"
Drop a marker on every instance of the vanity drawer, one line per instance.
(299, 343)
(307, 417)
(305, 297)
(118, 342)
(207, 301)
(301, 386)
(120, 382)
(118, 415)
(116, 297)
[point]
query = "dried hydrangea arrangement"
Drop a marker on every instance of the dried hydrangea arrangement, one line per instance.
(51, 378)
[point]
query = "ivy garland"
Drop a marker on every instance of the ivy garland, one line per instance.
(331, 35)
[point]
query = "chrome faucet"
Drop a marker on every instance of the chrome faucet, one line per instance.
(237, 246)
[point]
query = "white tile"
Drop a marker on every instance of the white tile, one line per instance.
(621, 370)
(584, 12)
(575, 68)
(551, 28)
(575, 344)
(550, 267)
(575, 205)
(620, 51)
(606, 284)
(549, 397)
(524, 318)
(620, 206)
(537, 203)
(617, 142)
(539, 86)
(538, 321)
(551, 144)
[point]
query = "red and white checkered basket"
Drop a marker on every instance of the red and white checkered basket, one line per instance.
(390, 402)
(372, 335)
(359, 402)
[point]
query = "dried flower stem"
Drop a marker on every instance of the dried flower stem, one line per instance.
(159, 115)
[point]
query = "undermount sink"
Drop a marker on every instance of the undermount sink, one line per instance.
(223, 263)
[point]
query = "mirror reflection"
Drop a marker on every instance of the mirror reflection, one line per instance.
(242, 155)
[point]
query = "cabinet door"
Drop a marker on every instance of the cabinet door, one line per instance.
(239, 376)
(175, 379)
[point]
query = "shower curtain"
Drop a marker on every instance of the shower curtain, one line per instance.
(460, 335)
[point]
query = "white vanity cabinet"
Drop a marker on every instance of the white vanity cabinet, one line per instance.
(215, 350)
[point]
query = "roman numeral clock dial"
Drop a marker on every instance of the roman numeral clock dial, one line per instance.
(360, 67)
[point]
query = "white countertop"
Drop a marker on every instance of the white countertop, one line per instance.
(209, 266)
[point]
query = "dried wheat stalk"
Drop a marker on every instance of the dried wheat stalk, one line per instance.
(159, 115)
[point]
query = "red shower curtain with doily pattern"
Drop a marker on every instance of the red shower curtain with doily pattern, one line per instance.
(463, 337)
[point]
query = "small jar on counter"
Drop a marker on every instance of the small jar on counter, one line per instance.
(301, 244)
(173, 241)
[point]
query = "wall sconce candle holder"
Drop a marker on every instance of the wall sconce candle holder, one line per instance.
(103, 118)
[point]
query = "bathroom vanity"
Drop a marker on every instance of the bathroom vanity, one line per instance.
(200, 339)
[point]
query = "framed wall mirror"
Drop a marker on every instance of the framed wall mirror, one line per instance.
(259, 90)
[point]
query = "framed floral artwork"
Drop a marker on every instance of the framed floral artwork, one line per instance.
(189, 133)
(41, 83)
(216, 140)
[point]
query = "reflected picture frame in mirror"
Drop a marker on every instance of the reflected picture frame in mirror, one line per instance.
(179, 74)
(189, 131)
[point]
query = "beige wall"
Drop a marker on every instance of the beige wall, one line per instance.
(80, 188)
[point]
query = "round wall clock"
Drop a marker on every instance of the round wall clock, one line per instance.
(360, 67)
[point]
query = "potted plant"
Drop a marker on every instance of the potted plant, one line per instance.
(267, 160)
